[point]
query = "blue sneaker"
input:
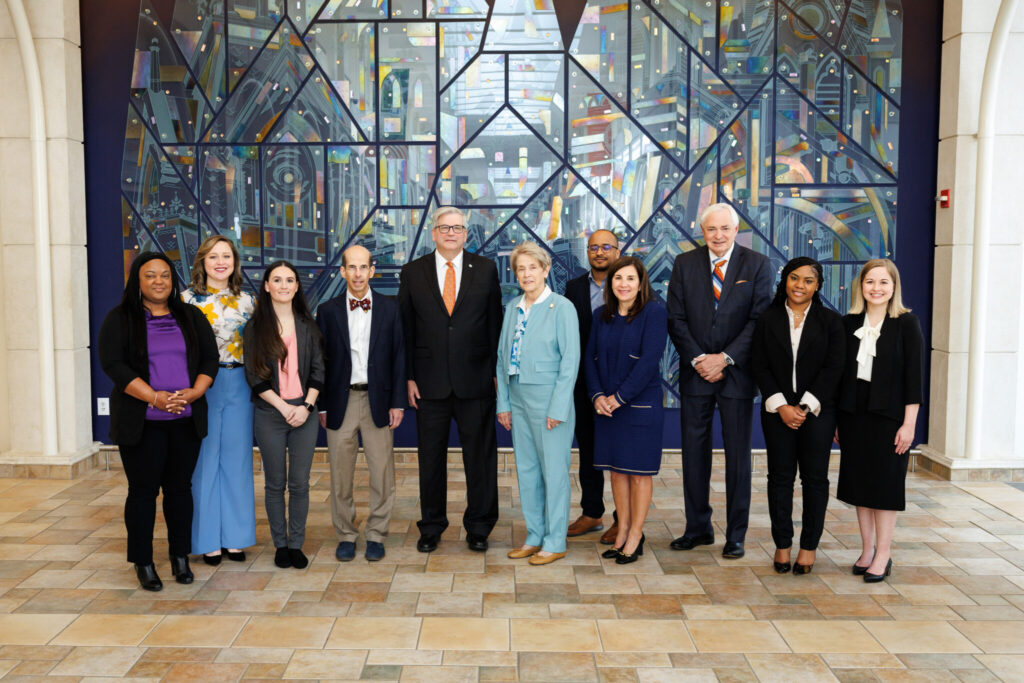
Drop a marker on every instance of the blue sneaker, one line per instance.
(346, 551)
(374, 551)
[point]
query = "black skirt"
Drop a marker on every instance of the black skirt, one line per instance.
(871, 473)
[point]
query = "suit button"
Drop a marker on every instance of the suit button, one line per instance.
(450, 327)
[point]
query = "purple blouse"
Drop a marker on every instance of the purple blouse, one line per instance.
(168, 362)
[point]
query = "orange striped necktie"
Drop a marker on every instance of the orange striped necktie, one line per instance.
(448, 293)
(718, 279)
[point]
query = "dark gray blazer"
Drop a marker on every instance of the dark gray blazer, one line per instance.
(311, 362)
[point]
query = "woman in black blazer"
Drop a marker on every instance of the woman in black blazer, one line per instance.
(797, 359)
(878, 403)
(162, 356)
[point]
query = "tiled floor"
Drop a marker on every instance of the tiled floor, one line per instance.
(70, 607)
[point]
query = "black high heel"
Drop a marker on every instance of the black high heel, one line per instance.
(858, 570)
(148, 578)
(801, 569)
(625, 558)
(780, 567)
(612, 552)
(876, 578)
(182, 572)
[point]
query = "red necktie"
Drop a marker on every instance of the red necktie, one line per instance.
(364, 304)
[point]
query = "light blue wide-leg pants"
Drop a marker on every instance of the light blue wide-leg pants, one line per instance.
(222, 484)
(542, 465)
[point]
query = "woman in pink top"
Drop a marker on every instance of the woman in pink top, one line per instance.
(284, 365)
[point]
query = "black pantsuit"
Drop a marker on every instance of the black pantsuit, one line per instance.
(163, 459)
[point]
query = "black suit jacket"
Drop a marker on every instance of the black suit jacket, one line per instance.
(385, 367)
(127, 413)
(696, 326)
(577, 291)
(819, 359)
(897, 371)
(457, 353)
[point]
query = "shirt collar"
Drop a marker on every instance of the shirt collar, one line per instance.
(349, 295)
(543, 295)
(440, 261)
(727, 256)
(789, 312)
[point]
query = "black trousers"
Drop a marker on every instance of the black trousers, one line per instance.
(164, 459)
(474, 418)
(697, 417)
(591, 480)
(808, 448)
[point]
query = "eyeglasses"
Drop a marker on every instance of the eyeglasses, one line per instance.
(594, 248)
(457, 229)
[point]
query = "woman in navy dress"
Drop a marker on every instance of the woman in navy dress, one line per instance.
(626, 344)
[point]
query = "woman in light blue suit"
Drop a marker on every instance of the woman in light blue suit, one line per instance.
(538, 358)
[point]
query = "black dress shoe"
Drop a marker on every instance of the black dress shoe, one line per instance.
(282, 559)
(148, 578)
(858, 570)
(611, 553)
(690, 542)
(212, 560)
(733, 551)
(876, 578)
(427, 543)
(629, 558)
(476, 542)
(182, 572)
(297, 558)
(233, 556)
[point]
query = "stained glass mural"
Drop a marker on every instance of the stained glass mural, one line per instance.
(303, 127)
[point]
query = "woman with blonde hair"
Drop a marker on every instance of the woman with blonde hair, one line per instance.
(879, 399)
(224, 520)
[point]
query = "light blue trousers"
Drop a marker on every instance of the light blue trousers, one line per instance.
(222, 484)
(542, 465)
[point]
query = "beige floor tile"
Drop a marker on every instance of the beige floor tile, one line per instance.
(555, 635)
(439, 674)
(730, 575)
(933, 595)
(112, 579)
(455, 604)
(607, 585)
(580, 611)
(207, 672)
(277, 631)
(790, 668)
(374, 633)
(1009, 668)
(548, 667)
(862, 661)
(405, 657)
(262, 655)
(460, 633)
(480, 658)
(654, 635)
(456, 563)
(717, 612)
(434, 582)
(31, 629)
(56, 578)
(919, 637)
(736, 636)
(827, 636)
(254, 601)
(108, 629)
(994, 637)
(364, 571)
(195, 631)
(299, 581)
(676, 584)
(556, 572)
(326, 664)
(98, 661)
(484, 583)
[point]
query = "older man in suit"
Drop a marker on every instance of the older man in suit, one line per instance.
(587, 295)
(451, 314)
(364, 395)
(715, 296)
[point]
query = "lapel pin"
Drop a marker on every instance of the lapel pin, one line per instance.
(551, 305)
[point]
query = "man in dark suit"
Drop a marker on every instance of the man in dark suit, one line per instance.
(451, 314)
(364, 395)
(587, 294)
(715, 296)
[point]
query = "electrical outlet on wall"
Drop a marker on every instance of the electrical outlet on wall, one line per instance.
(103, 406)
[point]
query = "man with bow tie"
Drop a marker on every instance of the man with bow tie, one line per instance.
(364, 395)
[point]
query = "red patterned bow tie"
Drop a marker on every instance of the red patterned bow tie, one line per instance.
(353, 304)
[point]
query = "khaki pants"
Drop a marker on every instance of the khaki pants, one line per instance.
(342, 446)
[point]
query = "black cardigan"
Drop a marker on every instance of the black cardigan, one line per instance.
(311, 362)
(127, 413)
(819, 359)
(897, 371)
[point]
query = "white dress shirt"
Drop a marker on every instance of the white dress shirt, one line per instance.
(868, 335)
(725, 267)
(777, 400)
(441, 264)
(359, 337)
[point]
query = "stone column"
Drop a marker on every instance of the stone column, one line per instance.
(967, 27)
(55, 31)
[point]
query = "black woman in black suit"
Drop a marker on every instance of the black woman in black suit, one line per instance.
(878, 403)
(798, 352)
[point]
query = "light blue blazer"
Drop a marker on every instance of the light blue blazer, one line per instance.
(549, 353)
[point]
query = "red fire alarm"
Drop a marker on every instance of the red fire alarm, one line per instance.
(943, 199)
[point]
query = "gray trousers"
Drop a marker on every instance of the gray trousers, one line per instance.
(343, 445)
(287, 454)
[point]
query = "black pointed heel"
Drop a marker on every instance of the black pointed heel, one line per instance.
(624, 558)
(802, 568)
(611, 553)
(780, 567)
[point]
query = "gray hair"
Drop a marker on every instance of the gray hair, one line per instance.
(534, 251)
(721, 206)
(444, 211)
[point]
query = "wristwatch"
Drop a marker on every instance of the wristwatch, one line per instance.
(309, 406)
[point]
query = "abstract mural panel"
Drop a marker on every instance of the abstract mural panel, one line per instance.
(302, 127)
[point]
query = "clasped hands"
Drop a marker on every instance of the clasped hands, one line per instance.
(792, 416)
(606, 405)
(711, 367)
(174, 402)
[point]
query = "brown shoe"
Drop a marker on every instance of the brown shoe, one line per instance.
(608, 537)
(584, 524)
(525, 551)
(545, 559)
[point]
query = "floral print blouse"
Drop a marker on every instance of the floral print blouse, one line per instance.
(227, 314)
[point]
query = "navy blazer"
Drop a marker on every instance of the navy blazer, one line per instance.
(632, 375)
(897, 371)
(385, 368)
(697, 327)
(577, 291)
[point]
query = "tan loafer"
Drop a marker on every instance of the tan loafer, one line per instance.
(525, 551)
(584, 524)
(608, 537)
(546, 559)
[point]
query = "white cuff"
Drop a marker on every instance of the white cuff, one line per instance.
(774, 402)
(728, 359)
(809, 400)
(693, 361)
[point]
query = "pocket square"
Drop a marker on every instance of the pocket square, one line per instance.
(740, 282)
